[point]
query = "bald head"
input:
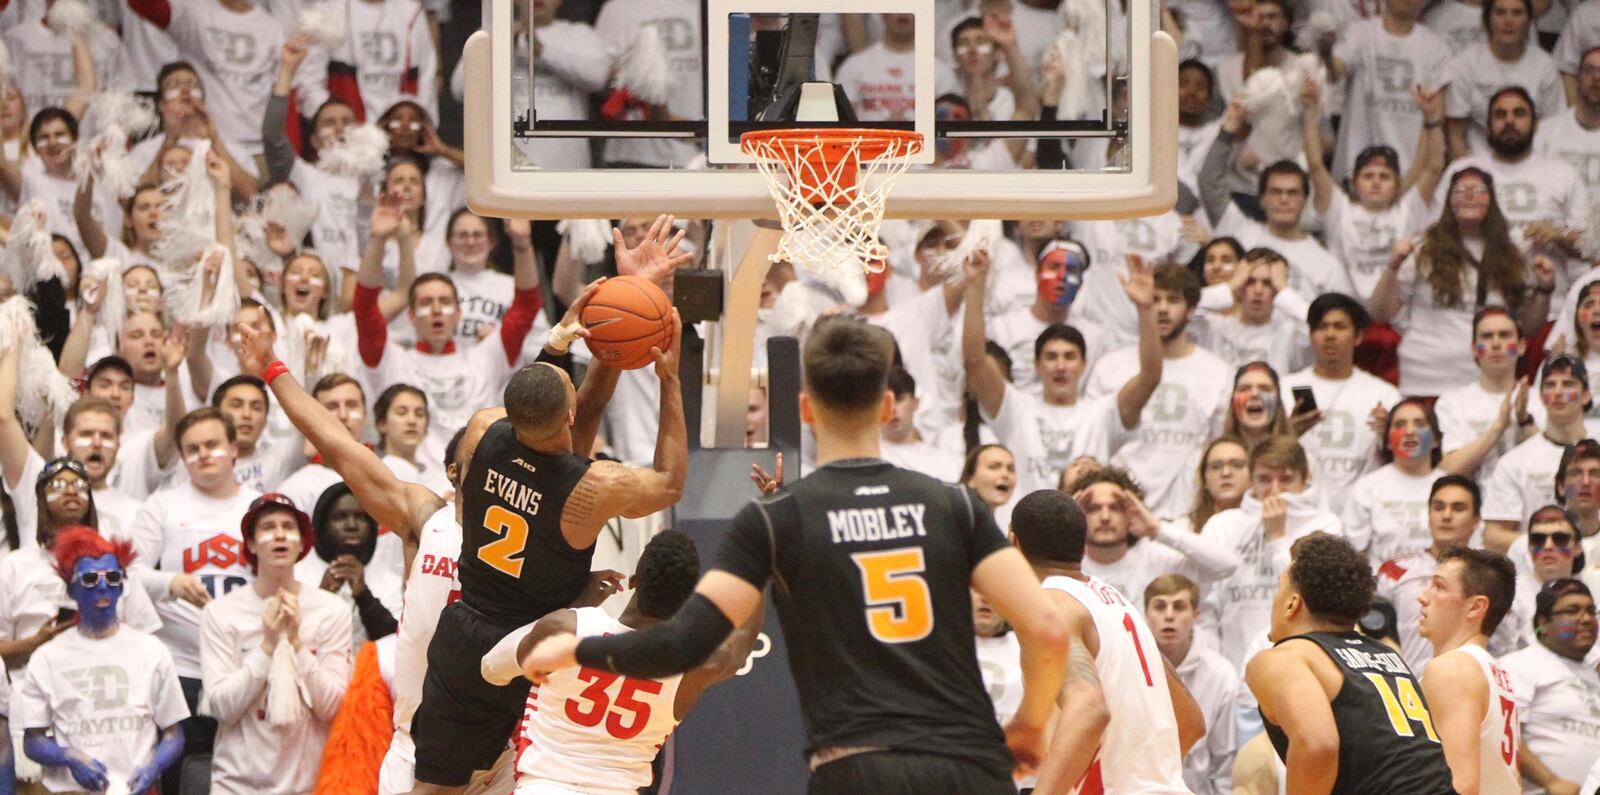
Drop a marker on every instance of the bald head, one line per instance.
(539, 400)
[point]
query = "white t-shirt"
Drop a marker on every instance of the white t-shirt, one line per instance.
(1281, 341)
(929, 338)
(146, 47)
(181, 531)
(1436, 346)
(1341, 447)
(1535, 188)
(1046, 439)
(1173, 550)
(881, 83)
(1476, 74)
(677, 25)
(1312, 270)
(1364, 240)
(1215, 684)
(1386, 513)
(109, 698)
(1193, 144)
(1564, 139)
(1523, 480)
(1559, 702)
(390, 44)
(1581, 34)
(920, 456)
(41, 62)
(457, 383)
(58, 195)
(1383, 68)
(1238, 606)
(1183, 414)
(1459, 24)
(252, 757)
(236, 55)
(484, 298)
(1465, 413)
(337, 200)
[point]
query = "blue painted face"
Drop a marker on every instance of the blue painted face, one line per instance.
(93, 589)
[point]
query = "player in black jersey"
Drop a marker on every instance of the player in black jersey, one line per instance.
(1343, 711)
(532, 506)
(871, 566)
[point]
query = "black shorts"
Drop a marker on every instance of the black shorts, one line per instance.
(463, 722)
(902, 773)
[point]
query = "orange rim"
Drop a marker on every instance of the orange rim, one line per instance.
(827, 151)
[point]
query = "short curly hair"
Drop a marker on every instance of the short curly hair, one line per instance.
(1333, 577)
(1117, 476)
(668, 570)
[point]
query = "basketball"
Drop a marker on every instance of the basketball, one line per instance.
(626, 317)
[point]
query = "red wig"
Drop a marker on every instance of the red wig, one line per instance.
(77, 541)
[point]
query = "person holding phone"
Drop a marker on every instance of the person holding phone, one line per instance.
(1339, 410)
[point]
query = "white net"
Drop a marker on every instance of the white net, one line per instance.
(831, 187)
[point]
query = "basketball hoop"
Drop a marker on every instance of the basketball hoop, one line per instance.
(830, 186)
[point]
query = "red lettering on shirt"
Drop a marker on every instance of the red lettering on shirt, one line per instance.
(218, 551)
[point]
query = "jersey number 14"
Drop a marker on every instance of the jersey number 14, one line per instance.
(1404, 705)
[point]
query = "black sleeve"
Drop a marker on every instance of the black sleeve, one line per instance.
(561, 360)
(375, 618)
(984, 537)
(676, 645)
(50, 315)
(746, 551)
(277, 150)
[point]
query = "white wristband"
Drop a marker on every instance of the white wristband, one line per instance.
(561, 337)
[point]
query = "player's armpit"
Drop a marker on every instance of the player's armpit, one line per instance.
(1191, 719)
(1457, 696)
(1292, 698)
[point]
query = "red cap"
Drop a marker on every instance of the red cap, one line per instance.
(268, 503)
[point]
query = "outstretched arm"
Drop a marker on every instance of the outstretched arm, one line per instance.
(400, 507)
(1322, 183)
(1213, 177)
(1427, 165)
(984, 379)
(1140, 287)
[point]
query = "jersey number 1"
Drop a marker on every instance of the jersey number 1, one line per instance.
(899, 605)
(504, 554)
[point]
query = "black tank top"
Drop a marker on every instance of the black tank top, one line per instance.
(516, 565)
(1387, 744)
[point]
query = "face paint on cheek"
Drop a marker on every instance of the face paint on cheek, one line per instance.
(204, 456)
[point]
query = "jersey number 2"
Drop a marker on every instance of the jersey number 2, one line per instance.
(1404, 708)
(899, 605)
(504, 553)
(602, 707)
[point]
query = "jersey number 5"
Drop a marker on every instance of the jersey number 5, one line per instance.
(899, 605)
(504, 553)
(1405, 708)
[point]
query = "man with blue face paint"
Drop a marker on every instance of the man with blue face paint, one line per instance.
(108, 695)
(1048, 431)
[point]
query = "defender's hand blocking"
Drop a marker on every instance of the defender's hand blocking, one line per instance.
(552, 654)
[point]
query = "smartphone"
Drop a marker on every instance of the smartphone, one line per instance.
(66, 615)
(1304, 400)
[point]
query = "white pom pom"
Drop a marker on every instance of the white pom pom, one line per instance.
(108, 160)
(114, 306)
(188, 215)
(1265, 90)
(360, 154)
(291, 211)
(1589, 244)
(587, 238)
(41, 388)
(981, 236)
(185, 291)
(1074, 100)
(136, 115)
(1319, 25)
(71, 18)
(1088, 19)
(285, 707)
(643, 70)
(324, 23)
(29, 256)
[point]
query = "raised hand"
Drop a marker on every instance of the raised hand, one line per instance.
(293, 52)
(520, 231)
(765, 483)
(1544, 272)
(174, 348)
(667, 360)
(1310, 94)
(976, 266)
(1431, 103)
(1000, 30)
(272, 621)
(91, 294)
(217, 171)
(1140, 283)
(1236, 120)
(656, 256)
(387, 217)
(316, 353)
(253, 348)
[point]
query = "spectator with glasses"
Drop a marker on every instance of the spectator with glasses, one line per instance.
(100, 707)
(1577, 489)
(1557, 690)
(1554, 551)
(1221, 481)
